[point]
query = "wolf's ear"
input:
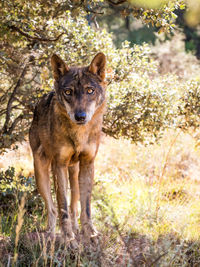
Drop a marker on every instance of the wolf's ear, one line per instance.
(59, 67)
(98, 65)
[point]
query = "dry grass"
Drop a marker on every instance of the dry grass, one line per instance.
(145, 204)
(20, 158)
(165, 175)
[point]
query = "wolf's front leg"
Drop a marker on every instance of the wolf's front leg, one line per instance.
(61, 182)
(74, 186)
(41, 167)
(86, 176)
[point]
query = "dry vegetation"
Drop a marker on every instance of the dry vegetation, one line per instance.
(145, 204)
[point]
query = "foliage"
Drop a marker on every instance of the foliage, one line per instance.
(140, 103)
(25, 64)
(13, 186)
(190, 109)
(31, 31)
(161, 14)
(163, 18)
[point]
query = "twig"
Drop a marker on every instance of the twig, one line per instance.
(157, 259)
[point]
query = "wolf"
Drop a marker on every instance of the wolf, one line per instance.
(64, 137)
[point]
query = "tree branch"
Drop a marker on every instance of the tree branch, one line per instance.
(116, 3)
(18, 119)
(89, 10)
(11, 99)
(16, 29)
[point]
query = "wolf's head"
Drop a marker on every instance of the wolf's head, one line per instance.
(81, 91)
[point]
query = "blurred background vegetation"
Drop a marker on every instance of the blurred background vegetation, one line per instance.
(153, 100)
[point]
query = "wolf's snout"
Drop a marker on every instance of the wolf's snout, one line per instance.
(80, 116)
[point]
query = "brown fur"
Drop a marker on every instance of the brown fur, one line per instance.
(67, 146)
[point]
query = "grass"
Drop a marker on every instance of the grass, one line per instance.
(145, 205)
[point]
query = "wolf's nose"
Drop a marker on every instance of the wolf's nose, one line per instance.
(80, 116)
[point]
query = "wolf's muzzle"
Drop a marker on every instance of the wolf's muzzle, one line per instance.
(80, 117)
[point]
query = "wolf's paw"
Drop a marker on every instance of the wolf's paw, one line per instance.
(68, 234)
(70, 241)
(89, 233)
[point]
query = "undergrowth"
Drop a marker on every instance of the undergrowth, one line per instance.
(145, 206)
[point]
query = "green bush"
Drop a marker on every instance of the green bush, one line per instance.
(13, 186)
(189, 108)
(140, 104)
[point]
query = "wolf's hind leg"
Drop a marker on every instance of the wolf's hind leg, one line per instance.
(74, 185)
(41, 166)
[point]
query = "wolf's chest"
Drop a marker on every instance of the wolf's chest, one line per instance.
(83, 147)
(78, 143)
(88, 151)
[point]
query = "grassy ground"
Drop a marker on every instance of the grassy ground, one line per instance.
(146, 205)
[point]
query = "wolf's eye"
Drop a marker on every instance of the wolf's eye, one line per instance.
(68, 91)
(90, 91)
